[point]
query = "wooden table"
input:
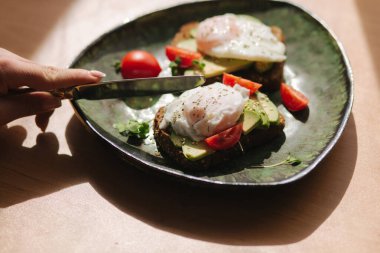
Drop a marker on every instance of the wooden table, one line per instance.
(63, 191)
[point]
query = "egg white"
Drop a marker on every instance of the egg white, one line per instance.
(239, 37)
(205, 111)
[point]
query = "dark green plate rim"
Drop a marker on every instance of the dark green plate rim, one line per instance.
(194, 179)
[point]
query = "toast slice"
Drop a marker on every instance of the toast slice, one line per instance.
(168, 149)
(270, 75)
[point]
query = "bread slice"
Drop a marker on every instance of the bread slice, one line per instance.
(270, 79)
(255, 138)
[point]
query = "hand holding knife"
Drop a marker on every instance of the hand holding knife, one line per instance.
(125, 88)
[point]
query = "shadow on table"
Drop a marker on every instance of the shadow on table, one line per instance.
(40, 170)
(278, 215)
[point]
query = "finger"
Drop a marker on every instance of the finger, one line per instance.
(42, 120)
(15, 73)
(6, 53)
(14, 107)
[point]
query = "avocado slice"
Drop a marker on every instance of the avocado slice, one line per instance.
(251, 119)
(213, 66)
(189, 44)
(191, 150)
(254, 105)
(195, 150)
(269, 108)
(177, 140)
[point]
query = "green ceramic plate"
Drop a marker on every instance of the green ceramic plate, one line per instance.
(316, 65)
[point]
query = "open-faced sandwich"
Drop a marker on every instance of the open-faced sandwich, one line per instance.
(215, 123)
(238, 44)
(212, 124)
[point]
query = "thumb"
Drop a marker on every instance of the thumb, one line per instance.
(14, 107)
(18, 73)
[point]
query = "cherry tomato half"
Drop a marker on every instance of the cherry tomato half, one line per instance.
(226, 139)
(186, 56)
(139, 64)
(293, 99)
(231, 80)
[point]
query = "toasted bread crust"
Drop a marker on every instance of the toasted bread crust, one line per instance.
(271, 79)
(255, 138)
(184, 32)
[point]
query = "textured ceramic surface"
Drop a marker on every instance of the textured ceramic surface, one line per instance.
(315, 65)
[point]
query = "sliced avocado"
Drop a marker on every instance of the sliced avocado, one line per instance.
(254, 105)
(213, 66)
(191, 150)
(177, 140)
(269, 108)
(189, 44)
(196, 150)
(190, 72)
(264, 119)
(251, 119)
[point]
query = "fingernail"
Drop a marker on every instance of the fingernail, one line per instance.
(97, 74)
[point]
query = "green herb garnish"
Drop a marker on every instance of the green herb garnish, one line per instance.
(290, 160)
(117, 66)
(133, 128)
(176, 68)
(199, 64)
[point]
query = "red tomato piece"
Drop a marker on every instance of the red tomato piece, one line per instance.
(226, 139)
(139, 64)
(231, 80)
(293, 99)
(186, 56)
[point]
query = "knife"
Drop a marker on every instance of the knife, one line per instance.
(125, 88)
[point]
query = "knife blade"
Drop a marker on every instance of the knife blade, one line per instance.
(126, 88)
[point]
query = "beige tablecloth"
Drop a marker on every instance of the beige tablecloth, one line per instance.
(63, 191)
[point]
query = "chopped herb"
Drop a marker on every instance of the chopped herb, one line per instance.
(290, 160)
(117, 66)
(176, 68)
(199, 64)
(133, 128)
(173, 64)
(178, 60)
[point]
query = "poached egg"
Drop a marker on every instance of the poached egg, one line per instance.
(239, 37)
(205, 111)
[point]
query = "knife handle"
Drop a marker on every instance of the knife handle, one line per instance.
(64, 93)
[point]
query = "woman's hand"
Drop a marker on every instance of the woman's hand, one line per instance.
(16, 71)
